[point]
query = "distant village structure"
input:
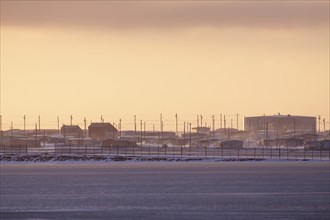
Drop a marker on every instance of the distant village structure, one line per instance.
(71, 131)
(280, 123)
(265, 130)
(102, 131)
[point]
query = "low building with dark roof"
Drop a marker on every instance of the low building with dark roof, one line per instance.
(71, 131)
(102, 131)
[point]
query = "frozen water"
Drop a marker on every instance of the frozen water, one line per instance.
(164, 190)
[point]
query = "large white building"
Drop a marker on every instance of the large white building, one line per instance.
(280, 123)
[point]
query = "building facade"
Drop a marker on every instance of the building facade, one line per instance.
(71, 131)
(102, 131)
(280, 124)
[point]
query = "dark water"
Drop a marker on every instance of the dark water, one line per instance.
(166, 190)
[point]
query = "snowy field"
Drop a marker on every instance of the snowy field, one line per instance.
(166, 190)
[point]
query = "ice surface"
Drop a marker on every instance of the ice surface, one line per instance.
(163, 190)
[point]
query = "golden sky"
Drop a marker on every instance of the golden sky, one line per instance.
(120, 59)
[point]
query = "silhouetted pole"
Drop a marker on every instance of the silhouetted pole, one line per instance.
(24, 124)
(120, 127)
(1, 134)
(201, 120)
(176, 124)
(294, 127)
(39, 122)
(319, 123)
(213, 124)
(220, 120)
(144, 130)
(58, 125)
(197, 121)
(162, 128)
(71, 119)
(224, 121)
(184, 133)
(266, 134)
(36, 134)
(249, 132)
(141, 131)
(85, 127)
(324, 124)
(135, 126)
(189, 134)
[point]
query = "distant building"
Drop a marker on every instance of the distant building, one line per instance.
(72, 131)
(25, 142)
(285, 142)
(102, 131)
(231, 144)
(280, 123)
(202, 130)
(118, 143)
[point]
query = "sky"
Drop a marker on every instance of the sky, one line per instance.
(144, 58)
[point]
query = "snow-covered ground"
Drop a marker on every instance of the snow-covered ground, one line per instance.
(7, 158)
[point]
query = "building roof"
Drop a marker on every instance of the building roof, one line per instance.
(70, 126)
(100, 125)
(281, 116)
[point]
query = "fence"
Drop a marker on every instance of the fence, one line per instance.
(176, 152)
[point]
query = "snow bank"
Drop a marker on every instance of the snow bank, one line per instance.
(72, 158)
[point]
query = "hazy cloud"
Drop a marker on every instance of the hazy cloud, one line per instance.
(133, 14)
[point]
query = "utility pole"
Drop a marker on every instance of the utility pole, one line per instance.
(197, 121)
(44, 138)
(220, 120)
(1, 134)
(324, 124)
(58, 125)
(176, 124)
(319, 123)
(213, 124)
(201, 120)
(264, 125)
(36, 134)
(161, 128)
(39, 122)
(120, 127)
(24, 124)
(71, 119)
(141, 131)
(224, 121)
(144, 130)
(184, 133)
(266, 134)
(85, 127)
(294, 127)
(135, 125)
(189, 134)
